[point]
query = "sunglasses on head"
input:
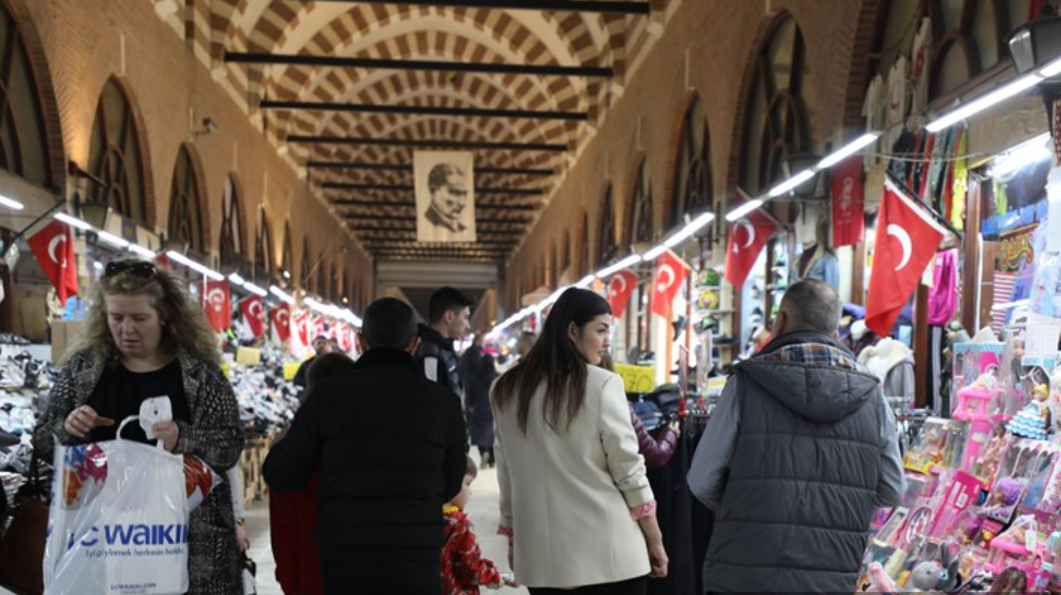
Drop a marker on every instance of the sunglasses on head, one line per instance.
(144, 270)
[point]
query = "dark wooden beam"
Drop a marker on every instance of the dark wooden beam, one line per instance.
(407, 204)
(440, 66)
(445, 144)
(486, 220)
(411, 229)
(611, 6)
(413, 243)
(424, 110)
(409, 169)
(403, 188)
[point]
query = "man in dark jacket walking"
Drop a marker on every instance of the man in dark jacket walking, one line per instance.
(449, 314)
(391, 448)
(800, 451)
(477, 374)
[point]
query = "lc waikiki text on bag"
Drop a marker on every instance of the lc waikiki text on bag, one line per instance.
(118, 521)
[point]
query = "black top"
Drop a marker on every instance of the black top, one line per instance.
(390, 445)
(300, 375)
(119, 393)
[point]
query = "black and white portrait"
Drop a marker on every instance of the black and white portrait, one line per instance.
(445, 196)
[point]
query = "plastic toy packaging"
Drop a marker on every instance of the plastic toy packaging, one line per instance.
(941, 445)
(118, 523)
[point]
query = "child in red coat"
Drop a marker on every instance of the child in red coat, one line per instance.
(463, 568)
(293, 516)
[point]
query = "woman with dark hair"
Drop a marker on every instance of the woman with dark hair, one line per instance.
(145, 337)
(575, 500)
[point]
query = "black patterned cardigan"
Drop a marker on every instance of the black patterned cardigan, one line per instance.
(213, 435)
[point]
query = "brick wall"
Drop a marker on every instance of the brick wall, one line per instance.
(83, 43)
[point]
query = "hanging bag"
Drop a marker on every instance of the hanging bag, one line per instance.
(22, 545)
(118, 522)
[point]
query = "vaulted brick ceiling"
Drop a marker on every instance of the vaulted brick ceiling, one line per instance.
(406, 31)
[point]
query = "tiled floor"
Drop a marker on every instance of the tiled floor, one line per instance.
(482, 509)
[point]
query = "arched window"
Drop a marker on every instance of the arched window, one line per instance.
(693, 185)
(554, 267)
(565, 253)
(776, 122)
(115, 158)
(263, 245)
(24, 149)
(185, 216)
(304, 266)
(230, 242)
(607, 248)
(321, 273)
(287, 259)
(640, 222)
(336, 287)
(585, 267)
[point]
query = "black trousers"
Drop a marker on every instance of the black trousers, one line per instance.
(635, 586)
(344, 575)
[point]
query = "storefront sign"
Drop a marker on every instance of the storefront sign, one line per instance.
(1017, 249)
(848, 206)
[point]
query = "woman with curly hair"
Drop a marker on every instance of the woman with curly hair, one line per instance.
(145, 337)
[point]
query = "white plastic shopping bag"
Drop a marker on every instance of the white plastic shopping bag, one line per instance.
(118, 521)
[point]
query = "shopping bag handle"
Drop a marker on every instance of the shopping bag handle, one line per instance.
(131, 418)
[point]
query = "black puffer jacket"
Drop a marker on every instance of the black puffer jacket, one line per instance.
(439, 360)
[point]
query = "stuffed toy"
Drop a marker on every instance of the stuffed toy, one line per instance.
(933, 575)
(882, 583)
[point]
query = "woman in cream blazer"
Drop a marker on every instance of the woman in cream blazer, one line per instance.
(575, 500)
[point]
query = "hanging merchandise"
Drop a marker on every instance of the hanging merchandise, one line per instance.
(281, 321)
(943, 297)
(747, 238)
(670, 276)
(253, 309)
(217, 304)
(619, 289)
(54, 248)
(898, 260)
(960, 184)
(873, 110)
(921, 72)
(849, 219)
(897, 101)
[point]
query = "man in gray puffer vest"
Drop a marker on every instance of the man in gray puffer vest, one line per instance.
(800, 451)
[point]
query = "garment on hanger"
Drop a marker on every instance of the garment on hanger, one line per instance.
(897, 100)
(873, 110)
(892, 362)
(921, 73)
(960, 185)
(818, 263)
(943, 296)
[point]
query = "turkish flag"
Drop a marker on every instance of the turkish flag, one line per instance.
(217, 304)
(907, 240)
(344, 336)
(620, 287)
(670, 274)
(54, 248)
(747, 238)
(253, 309)
(318, 327)
(849, 222)
(281, 319)
(302, 327)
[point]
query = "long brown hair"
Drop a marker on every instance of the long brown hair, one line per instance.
(555, 360)
(184, 328)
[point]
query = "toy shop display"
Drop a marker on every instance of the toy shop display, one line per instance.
(982, 507)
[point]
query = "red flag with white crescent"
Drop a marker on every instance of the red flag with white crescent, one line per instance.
(621, 285)
(747, 238)
(302, 328)
(907, 240)
(217, 304)
(670, 274)
(253, 309)
(281, 319)
(54, 248)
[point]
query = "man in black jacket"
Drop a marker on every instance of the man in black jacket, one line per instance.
(390, 445)
(449, 314)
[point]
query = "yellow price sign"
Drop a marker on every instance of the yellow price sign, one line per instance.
(290, 370)
(637, 379)
(248, 356)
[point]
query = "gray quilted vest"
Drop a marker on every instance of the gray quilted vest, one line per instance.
(802, 480)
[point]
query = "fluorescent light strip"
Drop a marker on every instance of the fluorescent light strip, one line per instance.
(792, 183)
(848, 150)
(11, 204)
(1001, 94)
(73, 221)
(687, 232)
(287, 299)
(138, 249)
(236, 279)
(1026, 153)
(586, 281)
(622, 264)
(254, 289)
(1052, 69)
(654, 253)
(744, 209)
(112, 239)
(191, 264)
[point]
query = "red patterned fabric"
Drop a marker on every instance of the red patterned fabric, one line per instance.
(463, 568)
